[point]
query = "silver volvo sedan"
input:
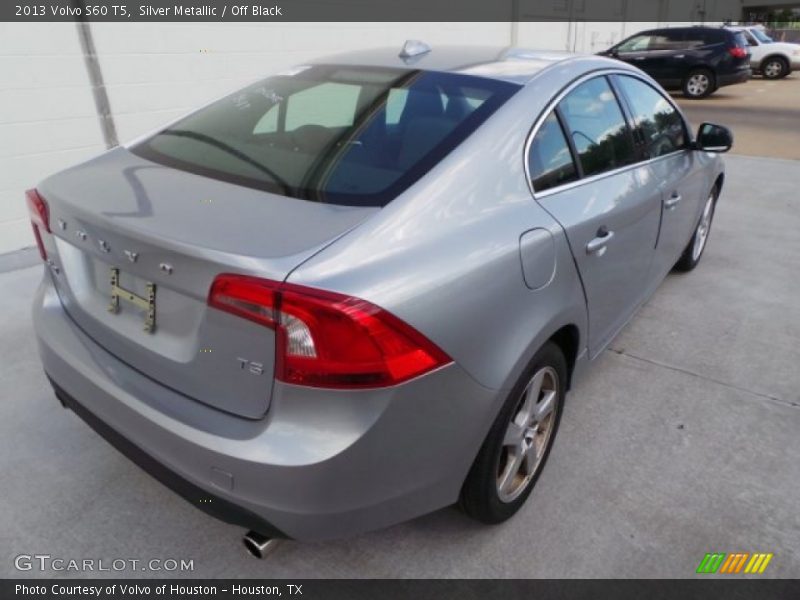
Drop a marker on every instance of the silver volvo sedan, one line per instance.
(357, 291)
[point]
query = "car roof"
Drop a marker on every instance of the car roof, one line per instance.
(516, 65)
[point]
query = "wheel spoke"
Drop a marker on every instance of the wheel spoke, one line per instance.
(531, 398)
(506, 480)
(514, 434)
(530, 459)
(545, 407)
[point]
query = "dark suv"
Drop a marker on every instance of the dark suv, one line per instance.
(697, 60)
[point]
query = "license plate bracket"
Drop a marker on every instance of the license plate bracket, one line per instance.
(146, 303)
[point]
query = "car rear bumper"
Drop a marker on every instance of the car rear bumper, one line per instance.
(740, 76)
(320, 465)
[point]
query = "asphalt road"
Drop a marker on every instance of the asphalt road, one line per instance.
(682, 440)
(764, 115)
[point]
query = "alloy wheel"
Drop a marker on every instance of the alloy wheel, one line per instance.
(701, 235)
(698, 84)
(528, 435)
(773, 69)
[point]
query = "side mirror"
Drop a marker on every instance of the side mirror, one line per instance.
(713, 138)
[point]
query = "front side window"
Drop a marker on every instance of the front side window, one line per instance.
(762, 37)
(550, 159)
(638, 43)
(594, 121)
(356, 136)
(660, 125)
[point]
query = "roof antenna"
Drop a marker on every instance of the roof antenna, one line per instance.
(414, 48)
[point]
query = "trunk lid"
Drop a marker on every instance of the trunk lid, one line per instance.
(161, 235)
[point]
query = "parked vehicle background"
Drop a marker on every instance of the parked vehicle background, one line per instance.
(774, 60)
(697, 60)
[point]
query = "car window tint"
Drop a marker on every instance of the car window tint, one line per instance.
(269, 122)
(667, 40)
(763, 37)
(356, 136)
(660, 124)
(327, 105)
(550, 160)
(739, 40)
(749, 39)
(699, 36)
(598, 130)
(637, 43)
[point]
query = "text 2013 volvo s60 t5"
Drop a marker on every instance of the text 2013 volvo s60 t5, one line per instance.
(357, 291)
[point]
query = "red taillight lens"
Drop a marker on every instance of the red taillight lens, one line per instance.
(40, 218)
(324, 339)
(737, 52)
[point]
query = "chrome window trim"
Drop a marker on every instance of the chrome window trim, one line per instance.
(591, 178)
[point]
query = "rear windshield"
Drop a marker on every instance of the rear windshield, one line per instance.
(342, 135)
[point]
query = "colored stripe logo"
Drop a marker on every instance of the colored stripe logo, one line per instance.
(733, 563)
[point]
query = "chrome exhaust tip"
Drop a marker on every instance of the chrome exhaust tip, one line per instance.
(258, 545)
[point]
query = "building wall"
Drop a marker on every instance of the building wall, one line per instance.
(156, 72)
(47, 116)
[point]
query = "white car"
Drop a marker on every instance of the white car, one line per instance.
(774, 60)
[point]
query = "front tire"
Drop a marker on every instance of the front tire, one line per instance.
(699, 83)
(775, 67)
(518, 444)
(694, 249)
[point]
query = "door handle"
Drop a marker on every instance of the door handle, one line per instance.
(672, 201)
(598, 245)
(680, 56)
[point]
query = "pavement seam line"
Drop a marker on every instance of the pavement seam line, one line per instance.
(656, 363)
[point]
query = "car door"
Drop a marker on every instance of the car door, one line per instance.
(663, 139)
(584, 172)
(666, 56)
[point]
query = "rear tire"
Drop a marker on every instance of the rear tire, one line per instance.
(694, 249)
(699, 83)
(774, 67)
(518, 444)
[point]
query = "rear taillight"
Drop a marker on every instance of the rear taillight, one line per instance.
(324, 339)
(40, 218)
(737, 52)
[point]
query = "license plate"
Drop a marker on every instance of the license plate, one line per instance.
(146, 303)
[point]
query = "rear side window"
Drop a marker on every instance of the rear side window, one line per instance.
(356, 136)
(667, 40)
(594, 122)
(660, 125)
(549, 158)
(701, 36)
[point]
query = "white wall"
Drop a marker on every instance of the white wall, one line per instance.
(156, 72)
(47, 116)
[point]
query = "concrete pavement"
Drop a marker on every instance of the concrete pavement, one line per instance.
(683, 439)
